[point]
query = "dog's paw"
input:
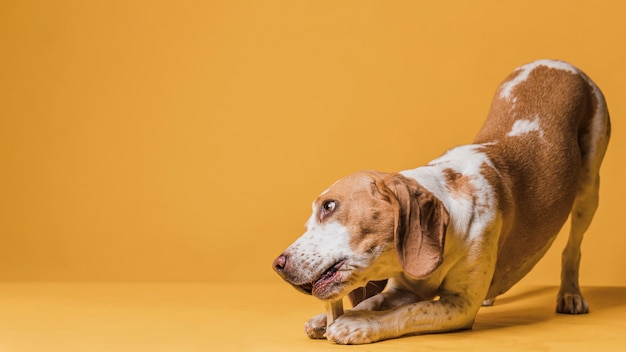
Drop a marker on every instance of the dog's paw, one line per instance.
(571, 303)
(316, 327)
(354, 328)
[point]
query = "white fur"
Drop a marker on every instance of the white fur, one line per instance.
(321, 246)
(477, 211)
(324, 244)
(507, 88)
(522, 127)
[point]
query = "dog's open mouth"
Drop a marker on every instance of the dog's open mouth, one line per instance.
(329, 276)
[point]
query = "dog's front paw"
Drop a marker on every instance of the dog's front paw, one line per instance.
(316, 326)
(355, 327)
(571, 303)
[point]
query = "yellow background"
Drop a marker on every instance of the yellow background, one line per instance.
(184, 141)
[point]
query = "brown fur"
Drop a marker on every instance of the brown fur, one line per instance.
(538, 180)
(420, 226)
(371, 209)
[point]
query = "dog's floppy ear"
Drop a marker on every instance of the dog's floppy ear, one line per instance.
(420, 224)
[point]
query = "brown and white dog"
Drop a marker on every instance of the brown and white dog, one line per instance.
(460, 231)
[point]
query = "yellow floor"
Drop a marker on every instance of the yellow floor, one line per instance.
(270, 317)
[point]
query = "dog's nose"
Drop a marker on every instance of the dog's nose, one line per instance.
(280, 263)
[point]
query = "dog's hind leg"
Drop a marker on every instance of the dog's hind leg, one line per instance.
(570, 299)
(593, 146)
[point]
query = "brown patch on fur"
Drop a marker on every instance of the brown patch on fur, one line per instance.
(457, 183)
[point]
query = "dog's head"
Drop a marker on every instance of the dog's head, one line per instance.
(367, 226)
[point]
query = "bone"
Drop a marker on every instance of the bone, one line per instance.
(334, 309)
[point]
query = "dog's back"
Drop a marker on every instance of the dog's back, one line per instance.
(548, 129)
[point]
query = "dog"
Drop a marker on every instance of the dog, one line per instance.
(450, 236)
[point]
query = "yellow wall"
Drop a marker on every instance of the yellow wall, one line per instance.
(185, 140)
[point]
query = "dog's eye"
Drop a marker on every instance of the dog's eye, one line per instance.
(328, 207)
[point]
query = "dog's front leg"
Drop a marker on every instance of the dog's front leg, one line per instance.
(408, 307)
(450, 312)
(315, 327)
(393, 297)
